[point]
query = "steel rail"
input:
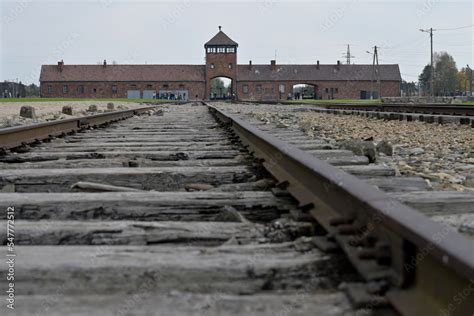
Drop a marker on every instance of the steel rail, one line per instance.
(17, 136)
(435, 109)
(428, 108)
(428, 265)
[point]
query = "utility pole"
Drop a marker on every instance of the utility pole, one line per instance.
(430, 31)
(470, 80)
(375, 74)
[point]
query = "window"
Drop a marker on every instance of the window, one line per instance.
(65, 89)
(230, 50)
(94, 90)
(259, 88)
(114, 89)
(230, 66)
(212, 66)
(221, 49)
(327, 90)
(80, 89)
(149, 86)
(50, 89)
(181, 87)
(166, 86)
(245, 88)
(133, 86)
(282, 88)
(336, 90)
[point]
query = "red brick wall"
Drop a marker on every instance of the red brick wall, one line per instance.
(104, 89)
(345, 89)
(221, 68)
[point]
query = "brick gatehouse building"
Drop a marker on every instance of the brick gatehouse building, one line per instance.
(187, 82)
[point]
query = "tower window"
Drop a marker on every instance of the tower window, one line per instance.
(212, 66)
(230, 65)
(231, 49)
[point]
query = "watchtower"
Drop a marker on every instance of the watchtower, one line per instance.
(221, 60)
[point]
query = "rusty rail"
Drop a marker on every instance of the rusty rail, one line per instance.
(429, 108)
(435, 109)
(426, 264)
(12, 137)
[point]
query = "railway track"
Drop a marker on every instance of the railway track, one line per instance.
(432, 109)
(196, 211)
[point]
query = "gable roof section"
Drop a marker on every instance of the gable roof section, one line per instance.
(312, 73)
(123, 73)
(221, 39)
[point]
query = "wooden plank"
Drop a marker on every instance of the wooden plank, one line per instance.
(123, 269)
(124, 162)
(371, 170)
(327, 302)
(155, 139)
(398, 184)
(120, 147)
(63, 144)
(149, 206)
(133, 233)
(438, 202)
(152, 155)
(158, 179)
(346, 161)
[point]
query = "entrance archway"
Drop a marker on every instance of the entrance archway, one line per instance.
(304, 91)
(221, 88)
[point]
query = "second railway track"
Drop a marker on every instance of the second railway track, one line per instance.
(197, 213)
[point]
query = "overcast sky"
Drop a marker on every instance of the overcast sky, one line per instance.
(35, 32)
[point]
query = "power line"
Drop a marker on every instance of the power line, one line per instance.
(455, 28)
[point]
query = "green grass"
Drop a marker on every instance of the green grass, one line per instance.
(37, 99)
(351, 101)
(468, 103)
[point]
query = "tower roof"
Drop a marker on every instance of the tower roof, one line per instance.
(221, 39)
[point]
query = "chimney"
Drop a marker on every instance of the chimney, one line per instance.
(317, 64)
(338, 64)
(105, 63)
(250, 65)
(60, 65)
(273, 64)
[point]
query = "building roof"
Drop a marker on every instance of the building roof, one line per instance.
(100, 73)
(123, 73)
(221, 39)
(312, 73)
